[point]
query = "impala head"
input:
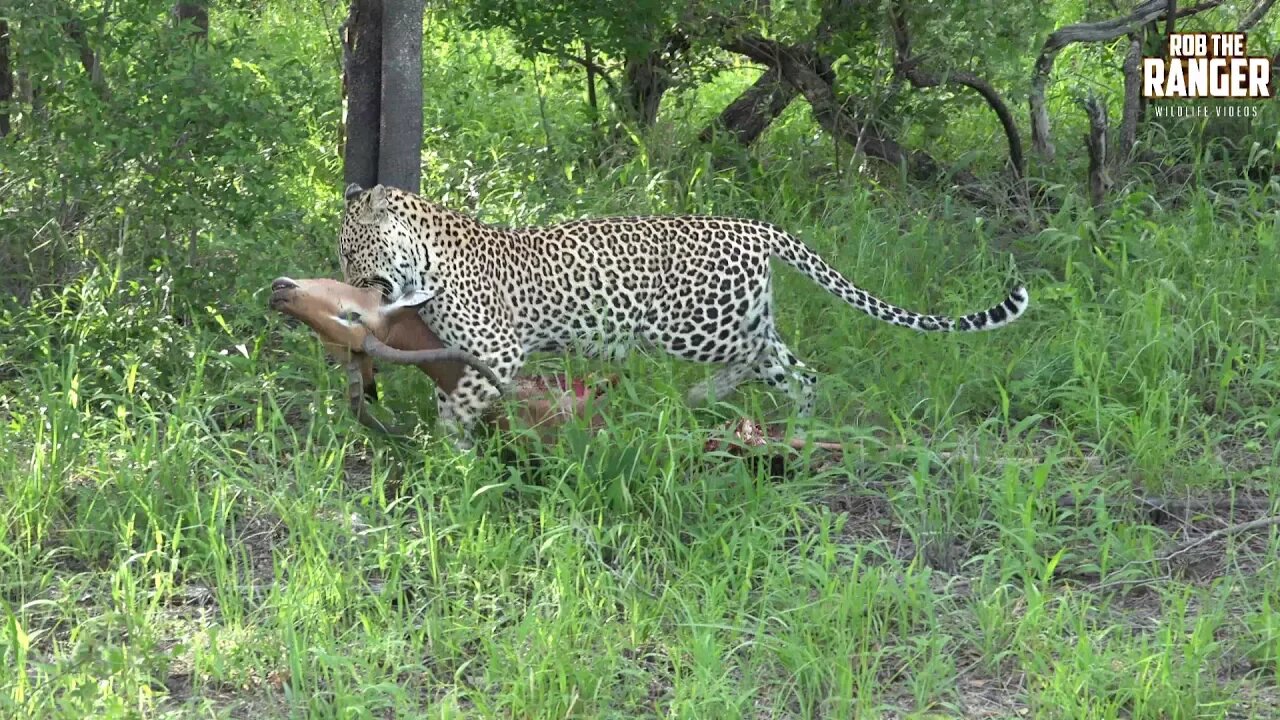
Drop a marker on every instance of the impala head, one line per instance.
(357, 325)
(344, 316)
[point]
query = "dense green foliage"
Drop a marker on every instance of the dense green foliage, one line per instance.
(192, 524)
(565, 26)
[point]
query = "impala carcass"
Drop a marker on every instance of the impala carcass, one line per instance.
(357, 326)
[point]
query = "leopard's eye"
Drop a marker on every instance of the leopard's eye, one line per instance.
(379, 282)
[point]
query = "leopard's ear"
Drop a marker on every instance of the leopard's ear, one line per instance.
(352, 192)
(375, 211)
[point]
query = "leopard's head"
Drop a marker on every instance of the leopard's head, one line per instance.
(384, 242)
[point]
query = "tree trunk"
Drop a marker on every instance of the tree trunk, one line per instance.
(6, 79)
(88, 58)
(191, 22)
(751, 113)
(1132, 102)
(197, 12)
(362, 90)
(1255, 15)
(32, 95)
(400, 141)
(592, 102)
(1148, 11)
(1096, 142)
(647, 78)
(646, 82)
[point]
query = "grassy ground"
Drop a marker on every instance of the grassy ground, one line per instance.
(195, 527)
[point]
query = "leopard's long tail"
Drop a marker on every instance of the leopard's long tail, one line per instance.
(799, 256)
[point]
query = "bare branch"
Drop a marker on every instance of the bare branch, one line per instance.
(909, 67)
(1163, 508)
(1185, 547)
(799, 65)
(1104, 30)
(1255, 14)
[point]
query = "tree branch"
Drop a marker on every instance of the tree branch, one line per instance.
(798, 66)
(754, 109)
(587, 64)
(1101, 31)
(909, 68)
(1255, 14)
(1186, 547)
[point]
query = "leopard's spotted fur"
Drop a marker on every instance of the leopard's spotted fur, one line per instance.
(698, 287)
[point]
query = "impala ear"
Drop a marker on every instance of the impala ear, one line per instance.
(411, 300)
(376, 210)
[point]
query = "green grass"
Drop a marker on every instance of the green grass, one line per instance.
(194, 526)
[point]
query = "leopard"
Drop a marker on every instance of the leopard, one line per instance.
(699, 287)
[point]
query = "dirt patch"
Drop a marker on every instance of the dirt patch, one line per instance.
(871, 520)
(1205, 539)
(228, 703)
(1257, 701)
(357, 469)
(1249, 452)
(979, 696)
(256, 535)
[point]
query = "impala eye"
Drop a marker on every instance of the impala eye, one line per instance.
(350, 317)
